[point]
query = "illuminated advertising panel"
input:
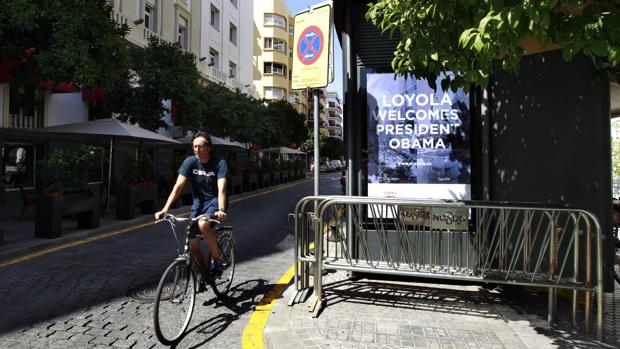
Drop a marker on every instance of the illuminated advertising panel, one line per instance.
(418, 139)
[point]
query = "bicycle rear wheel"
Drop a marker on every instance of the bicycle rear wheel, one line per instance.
(221, 284)
(174, 302)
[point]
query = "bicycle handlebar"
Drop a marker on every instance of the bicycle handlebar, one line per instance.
(169, 217)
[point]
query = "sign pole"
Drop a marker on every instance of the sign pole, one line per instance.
(316, 142)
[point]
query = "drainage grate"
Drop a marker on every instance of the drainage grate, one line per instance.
(144, 294)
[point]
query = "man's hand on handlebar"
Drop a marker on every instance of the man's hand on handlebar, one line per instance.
(220, 216)
(160, 214)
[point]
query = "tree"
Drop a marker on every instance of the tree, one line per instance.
(322, 139)
(333, 148)
(69, 41)
(161, 71)
(475, 38)
(287, 126)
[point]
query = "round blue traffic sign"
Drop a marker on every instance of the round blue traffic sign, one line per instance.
(310, 45)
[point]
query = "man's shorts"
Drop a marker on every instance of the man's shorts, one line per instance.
(206, 207)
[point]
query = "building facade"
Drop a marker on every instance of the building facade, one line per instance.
(273, 54)
(333, 114)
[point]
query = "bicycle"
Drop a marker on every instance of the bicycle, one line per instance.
(176, 291)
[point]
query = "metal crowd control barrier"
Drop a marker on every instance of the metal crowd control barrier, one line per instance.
(506, 243)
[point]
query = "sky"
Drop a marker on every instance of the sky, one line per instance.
(296, 6)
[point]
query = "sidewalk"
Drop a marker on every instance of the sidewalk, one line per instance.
(391, 313)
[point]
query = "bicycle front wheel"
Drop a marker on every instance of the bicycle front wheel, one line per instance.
(174, 302)
(221, 283)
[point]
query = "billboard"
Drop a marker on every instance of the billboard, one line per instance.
(418, 139)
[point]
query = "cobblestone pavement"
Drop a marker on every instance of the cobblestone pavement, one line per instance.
(371, 314)
(98, 294)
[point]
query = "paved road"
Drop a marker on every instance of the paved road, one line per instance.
(97, 294)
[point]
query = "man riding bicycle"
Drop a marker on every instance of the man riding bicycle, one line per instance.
(207, 175)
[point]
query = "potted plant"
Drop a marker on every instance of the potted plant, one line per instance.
(65, 190)
(250, 175)
(137, 186)
(235, 185)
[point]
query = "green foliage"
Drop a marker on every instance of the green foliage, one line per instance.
(310, 140)
(245, 119)
(287, 126)
(475, 38)
(63, 41)
(333, 148)
(136, 165)
(68, 171)
(161, 71)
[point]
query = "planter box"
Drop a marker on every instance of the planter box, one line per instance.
(263, 180)
(283, 176)
(127, 198)
(51, 209)
(236, 184)
(250, 182)
(274, 178)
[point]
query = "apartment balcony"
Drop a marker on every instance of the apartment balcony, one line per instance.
(147, 34)
(25, 121)
(120, 18)
(216, 75)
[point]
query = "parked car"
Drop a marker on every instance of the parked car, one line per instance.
(336, 165)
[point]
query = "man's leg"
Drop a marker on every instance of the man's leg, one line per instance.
(194, 246)
(210, 240)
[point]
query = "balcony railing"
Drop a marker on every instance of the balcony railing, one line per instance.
(120, 18)
(147, 34)
(216, 75)
(25, 121)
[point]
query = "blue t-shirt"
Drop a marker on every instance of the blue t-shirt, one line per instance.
(203, 177)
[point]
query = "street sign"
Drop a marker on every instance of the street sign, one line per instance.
(312, 40)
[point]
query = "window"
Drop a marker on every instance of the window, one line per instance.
(18, 165)
(291, 29)
(232, 70)
(215, 18)
(275, 68)
(232, 34)
(182, 33)
(214, 58)
(273, 19)
(150, 19)
(275, 44)
(234, 2)
(274, 93)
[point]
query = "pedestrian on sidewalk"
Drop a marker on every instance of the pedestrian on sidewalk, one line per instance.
(206, 173)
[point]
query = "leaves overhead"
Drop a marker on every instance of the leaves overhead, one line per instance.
(161, 71)
(70, 41)
(475, 38)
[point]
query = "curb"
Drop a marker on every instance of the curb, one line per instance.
(7, 254)
(277, 333)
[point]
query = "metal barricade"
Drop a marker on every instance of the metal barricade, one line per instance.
(506, 243)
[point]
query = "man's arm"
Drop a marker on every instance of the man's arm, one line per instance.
(174, 194)
(222, 199)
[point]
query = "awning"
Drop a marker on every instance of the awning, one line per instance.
(91, 95)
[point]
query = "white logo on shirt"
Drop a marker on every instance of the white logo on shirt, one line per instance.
(203, 173)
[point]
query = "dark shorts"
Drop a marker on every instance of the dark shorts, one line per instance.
(207, 207)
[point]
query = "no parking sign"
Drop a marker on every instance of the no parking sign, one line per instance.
(312, 38)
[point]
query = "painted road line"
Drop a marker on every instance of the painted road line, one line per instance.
(253, 331)
(117, 232)
(252, 337)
